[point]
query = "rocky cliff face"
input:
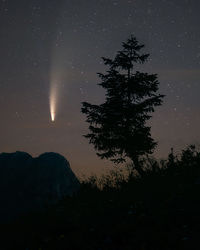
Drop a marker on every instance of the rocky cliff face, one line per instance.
(28, 184)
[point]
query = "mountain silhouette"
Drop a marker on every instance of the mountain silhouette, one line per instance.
(28, 184)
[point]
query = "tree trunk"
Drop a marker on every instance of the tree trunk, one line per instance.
(138, 166)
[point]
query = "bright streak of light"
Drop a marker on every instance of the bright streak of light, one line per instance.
(53, 98)
(52, 116)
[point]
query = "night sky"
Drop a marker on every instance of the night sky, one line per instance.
(48, 41)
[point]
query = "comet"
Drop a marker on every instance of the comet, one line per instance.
(57, 74)
(53, 99)
(52, 106)
(52, 116)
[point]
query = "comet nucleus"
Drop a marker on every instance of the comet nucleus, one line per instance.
(52, 116)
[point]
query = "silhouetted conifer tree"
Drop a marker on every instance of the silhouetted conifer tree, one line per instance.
(118, 127)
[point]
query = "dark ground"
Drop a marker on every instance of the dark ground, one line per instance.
(161, 210)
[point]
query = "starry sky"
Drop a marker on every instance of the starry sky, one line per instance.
(50, 40)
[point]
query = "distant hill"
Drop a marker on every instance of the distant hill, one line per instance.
(28, 184)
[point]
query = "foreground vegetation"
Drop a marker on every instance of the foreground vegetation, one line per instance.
(159, 210)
